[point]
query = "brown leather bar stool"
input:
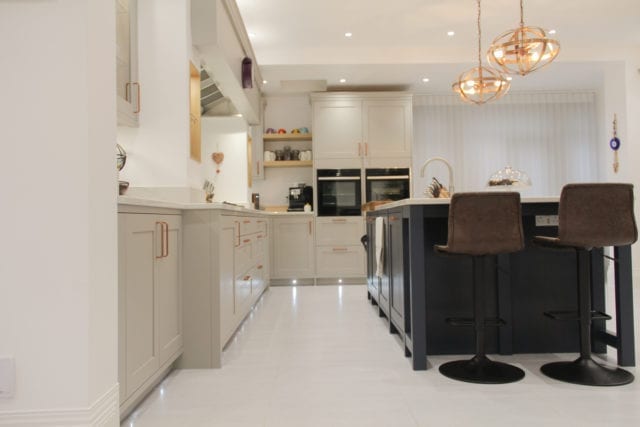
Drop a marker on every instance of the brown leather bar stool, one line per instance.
(590, 216)
(482, 225)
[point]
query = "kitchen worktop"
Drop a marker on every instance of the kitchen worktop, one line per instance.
(186, 204)
(446, 201)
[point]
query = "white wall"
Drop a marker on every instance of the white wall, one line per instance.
(158, 150)
(229, 136)
(58, 275)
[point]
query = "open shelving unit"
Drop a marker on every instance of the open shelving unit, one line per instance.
(287, 137)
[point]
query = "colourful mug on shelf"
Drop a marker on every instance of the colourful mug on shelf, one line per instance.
(303, 130)
(270, 130)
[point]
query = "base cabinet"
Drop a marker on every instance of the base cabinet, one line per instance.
(150, 316)
(293, 247)
(339, 252)
(226, 260)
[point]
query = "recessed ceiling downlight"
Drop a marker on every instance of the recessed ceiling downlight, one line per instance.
(343, 80)
(451, 33)
(348, 34)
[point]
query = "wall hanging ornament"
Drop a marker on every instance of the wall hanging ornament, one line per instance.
(217, 157)
(614, 143)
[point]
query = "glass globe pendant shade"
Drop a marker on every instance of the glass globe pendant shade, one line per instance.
(480, 85)
(522, 50)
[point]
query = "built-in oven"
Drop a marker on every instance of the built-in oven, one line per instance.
(387, 184)
(339, 192)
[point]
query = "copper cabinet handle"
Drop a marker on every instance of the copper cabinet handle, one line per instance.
(258, 167)
(164, 239)
(260, 236)
(246, 240)
(246, 221)
(338, 249)
(245, 278)
(366, 149)
(339, 220)
(393, 218)
(309, 228)
(260, 267)
(236, 225)
(161, 239)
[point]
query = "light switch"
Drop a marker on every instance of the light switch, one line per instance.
(7, 377)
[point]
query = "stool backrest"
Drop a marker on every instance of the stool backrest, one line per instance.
(485, 223)
(597, 215)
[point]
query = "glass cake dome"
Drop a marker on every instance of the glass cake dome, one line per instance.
(509, 177)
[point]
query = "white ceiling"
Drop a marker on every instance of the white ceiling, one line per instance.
(397, 43)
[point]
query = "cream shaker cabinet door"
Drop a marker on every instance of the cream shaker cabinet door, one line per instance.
(169, 290)
(138, 247)
(387, 128)
(293, 248)
(127, 86)
(337, 129)
(150, 300)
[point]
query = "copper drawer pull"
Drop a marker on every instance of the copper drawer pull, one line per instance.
(164, 239)
(236, 225)
(246, 240)
(309, 228)
(339, 220)
(245, 278)
(366, 149)
(260, 267)
(393, 218)
(339, 249)
(246, 221)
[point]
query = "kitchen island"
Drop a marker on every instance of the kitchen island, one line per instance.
(416, 290)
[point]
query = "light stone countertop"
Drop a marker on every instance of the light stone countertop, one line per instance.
(443, 201)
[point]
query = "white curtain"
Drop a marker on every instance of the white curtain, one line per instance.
(550, 136)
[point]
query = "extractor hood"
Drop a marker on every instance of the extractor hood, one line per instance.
(212, 100)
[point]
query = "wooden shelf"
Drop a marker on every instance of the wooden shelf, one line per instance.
(286, 137)
(288, 163)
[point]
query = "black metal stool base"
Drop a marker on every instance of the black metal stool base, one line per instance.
(586, 371)
(481, 370)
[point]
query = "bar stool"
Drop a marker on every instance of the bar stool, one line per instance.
(482, 225)
(590, 216)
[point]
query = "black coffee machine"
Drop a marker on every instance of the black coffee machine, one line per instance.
(300, 196)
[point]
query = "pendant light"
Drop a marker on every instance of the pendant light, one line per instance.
(523, 50)
(481, 84)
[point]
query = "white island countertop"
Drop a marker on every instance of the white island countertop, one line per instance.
(446, 201)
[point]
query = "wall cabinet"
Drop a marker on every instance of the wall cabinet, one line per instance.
(226, 269)
(150, 304)
(369, 128)
(127, 85)
(293, 247)
(339, 252)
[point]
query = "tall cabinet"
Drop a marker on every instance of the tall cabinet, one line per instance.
(357, 130)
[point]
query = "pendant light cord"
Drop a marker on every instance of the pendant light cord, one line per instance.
(521, 14)
(479, 37)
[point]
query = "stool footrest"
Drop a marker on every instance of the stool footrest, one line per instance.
(467, 321)
(574, 315)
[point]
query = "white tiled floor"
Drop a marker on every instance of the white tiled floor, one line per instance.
(320, 356)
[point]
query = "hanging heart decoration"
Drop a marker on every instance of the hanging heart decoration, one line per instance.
(217, 157)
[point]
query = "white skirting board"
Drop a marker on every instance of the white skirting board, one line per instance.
(103, 413)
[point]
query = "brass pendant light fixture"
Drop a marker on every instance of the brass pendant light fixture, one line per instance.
(481, 84)
(522, 50)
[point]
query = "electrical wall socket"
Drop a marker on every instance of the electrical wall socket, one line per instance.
(546, 220)
(7, 377)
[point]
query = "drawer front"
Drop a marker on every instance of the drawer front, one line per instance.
(340, 261)
(339, 231)
(243, 255)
